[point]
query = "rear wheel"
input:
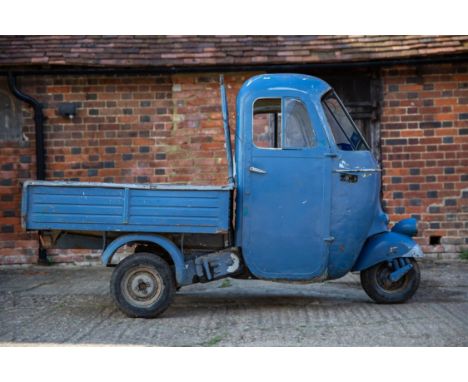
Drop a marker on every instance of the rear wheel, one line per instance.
(378, 286)
(142, 285)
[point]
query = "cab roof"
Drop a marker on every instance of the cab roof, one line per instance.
(285, 81)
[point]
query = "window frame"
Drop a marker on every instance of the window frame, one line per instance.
(252, 123)
(16, 114)
(283, 132)
(332, 93)
(283, 121)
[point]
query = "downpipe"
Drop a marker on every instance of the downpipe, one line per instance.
(40, 149)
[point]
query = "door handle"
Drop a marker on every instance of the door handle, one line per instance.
(257, 170)
(347, 170)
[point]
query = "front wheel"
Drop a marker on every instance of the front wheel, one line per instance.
(142, 285)
(378, 286)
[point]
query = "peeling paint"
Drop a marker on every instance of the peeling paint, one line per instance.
(343, 164)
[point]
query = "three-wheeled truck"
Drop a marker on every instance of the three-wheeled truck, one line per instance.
(302, 204)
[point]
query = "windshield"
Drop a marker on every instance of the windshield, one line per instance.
(346, 134)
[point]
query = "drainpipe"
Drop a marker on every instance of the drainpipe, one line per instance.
(38, 124)
(40, 151)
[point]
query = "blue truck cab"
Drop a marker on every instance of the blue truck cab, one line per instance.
(301, 203)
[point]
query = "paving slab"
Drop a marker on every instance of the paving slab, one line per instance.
(72, 305)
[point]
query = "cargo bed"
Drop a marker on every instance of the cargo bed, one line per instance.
(81, 206)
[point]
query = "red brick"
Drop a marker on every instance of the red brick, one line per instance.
(190, 134)
(432, 162)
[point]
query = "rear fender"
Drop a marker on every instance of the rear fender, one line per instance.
(386, 246)
(169, 246)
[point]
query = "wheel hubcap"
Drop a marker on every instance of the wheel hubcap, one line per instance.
(142, 286)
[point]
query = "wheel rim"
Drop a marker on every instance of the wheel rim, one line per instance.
(383, 279)
(142, 286)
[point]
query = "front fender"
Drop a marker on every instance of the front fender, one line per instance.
(386, 246)
(169, 246)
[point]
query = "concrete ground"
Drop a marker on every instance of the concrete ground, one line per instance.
(72, 305)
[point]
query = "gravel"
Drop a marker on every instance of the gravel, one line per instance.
(72, 305)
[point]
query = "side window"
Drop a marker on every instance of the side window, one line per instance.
(340, 138)
(267, 123)
(298, 131)
(10, 114)
(346, 134)
(276, 128)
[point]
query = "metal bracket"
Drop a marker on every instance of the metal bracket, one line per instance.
(400, 272)
(215, 265)
(401, 266)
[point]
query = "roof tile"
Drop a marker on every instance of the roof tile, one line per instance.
(164, 51)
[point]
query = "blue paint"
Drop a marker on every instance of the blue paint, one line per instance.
(386, 246)
(299, 221)
(356, 212)
(310, 213)
(227, 133)
(400, 272)
(406, 227)
(169, 246)
(125, 206)
(282, 236)
(108, 207)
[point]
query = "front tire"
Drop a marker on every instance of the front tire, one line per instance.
(142, 285)
(375, 282)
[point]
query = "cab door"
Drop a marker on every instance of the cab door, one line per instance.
(286, 195)
(356, 212)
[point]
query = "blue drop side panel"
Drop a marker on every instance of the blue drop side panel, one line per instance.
(71, 207)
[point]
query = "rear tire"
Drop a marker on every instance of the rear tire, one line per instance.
(379, 288)
(142, 285)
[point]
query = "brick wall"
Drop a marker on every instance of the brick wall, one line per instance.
(168, 129)
(17, 164)
(424, 134)
(127, 129)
